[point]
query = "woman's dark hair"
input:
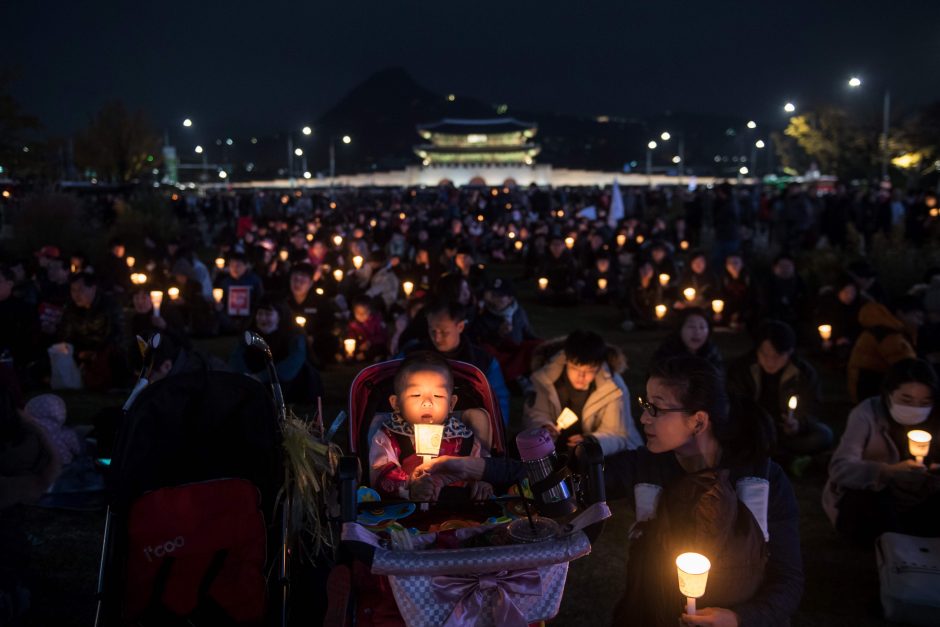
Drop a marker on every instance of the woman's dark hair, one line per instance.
(744, 430)
(586, 348)
(910, 371)
(778, 333)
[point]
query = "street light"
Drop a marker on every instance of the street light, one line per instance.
(347, 139)
(299, 152)
(198, 150)
(743, 169)
(665, 136)
(676, 159)
(752, 124)
(306, 130)
(187, 122)
(855, 82)
(651, 145)
(759, 143)
(789, 107)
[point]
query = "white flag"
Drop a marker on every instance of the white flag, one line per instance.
(616, 206)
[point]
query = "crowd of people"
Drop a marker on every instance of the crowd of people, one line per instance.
(358, 277)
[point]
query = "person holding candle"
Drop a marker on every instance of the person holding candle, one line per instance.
(232, 311)
(561, 271)
(602, 280)
(317, 309)
(838, 306)
(583, 374)
(693, 336)
(772, 375)
(423, 394)
(93, 323)
(736, 291)
(368, 329)
(875, 484)
(699, 277)
(273, 322)
(700, 442)
(643, 295)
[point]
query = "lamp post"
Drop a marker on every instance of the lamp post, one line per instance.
(346, 139)
(854, 83)
(649, 161)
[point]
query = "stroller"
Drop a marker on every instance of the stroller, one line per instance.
(192, 534)
(468, 582)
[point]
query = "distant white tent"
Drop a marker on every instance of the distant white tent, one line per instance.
(616, 212)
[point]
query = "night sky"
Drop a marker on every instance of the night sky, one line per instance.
(257, 67)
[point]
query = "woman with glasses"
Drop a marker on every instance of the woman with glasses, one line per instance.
(703, 483)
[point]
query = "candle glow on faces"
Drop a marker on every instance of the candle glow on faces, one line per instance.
(692, 569)
(918, 442)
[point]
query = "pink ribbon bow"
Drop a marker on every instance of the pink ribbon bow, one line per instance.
(467, 593)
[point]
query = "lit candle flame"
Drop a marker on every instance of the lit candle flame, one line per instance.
(825, 332)
(718, 305)
(661, 311)
(357, 262)
(918, 443)
(300, 320)
(173, 293)
(408, 288)
(792, 403)
(693, 570)
(130, 262)
(543, 283)
(684, 245)
(621, 240)
(569, 242)
(284, 255)
(602, 284)
(338, 240)
(689, 293)
(219, 262)
(338, 275)
(217, 293)
(664, 279)
(350, 346)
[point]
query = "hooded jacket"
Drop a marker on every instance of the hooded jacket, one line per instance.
(882, 343)
(606, 414)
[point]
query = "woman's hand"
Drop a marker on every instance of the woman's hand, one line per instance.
(452, 469)
(719, 617)
(480, 491)
(892, 471)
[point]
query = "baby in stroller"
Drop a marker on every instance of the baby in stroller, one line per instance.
(423, 393)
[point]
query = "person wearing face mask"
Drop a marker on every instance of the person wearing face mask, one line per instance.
(875, 485)
(272, 321)
(692, 337)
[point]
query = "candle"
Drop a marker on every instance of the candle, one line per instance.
(569, 242)
(511, 235)
(518, 245)
(825, 332)
(156, 297)
(219, 262)
(543, 283)
(664, 279)
(320, 291)
(660, 312)
(401, 216)
(350, 345)
(357, 262)
(300, 320)
(560, 213)
(173, 293)
(428, 440)
(130, 262)
(791, 406)
(338, 240)
(935, 212)
(73, 268)
(684, 245)
(480, 217)
(408, 287)
(689, 293)
(640, 239)
(309, 237)
(338, 275)
(692, 569)
(602, 284)
(283, 255)
(718, 305)
(919, 444)
(217, 293)
(621, 240)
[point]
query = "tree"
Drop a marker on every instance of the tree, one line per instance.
(117, 144)
(833, 140)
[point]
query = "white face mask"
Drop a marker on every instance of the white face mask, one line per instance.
(907, 415)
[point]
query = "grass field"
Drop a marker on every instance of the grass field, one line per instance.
(841, 581)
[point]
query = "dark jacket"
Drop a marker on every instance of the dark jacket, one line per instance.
(95, 328)
(797, 379)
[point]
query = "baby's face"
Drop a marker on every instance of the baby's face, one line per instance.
(425, 398)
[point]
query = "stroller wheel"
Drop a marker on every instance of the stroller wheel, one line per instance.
(338, 587)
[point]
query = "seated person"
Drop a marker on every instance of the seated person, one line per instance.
(771, 375)
(93, 323)
(424, 394)
(583, 375)
(886, 339)
(368, 329)
(503, 328)
(272, 321)
(644, 292)
(446, 324)
(699, 277)
(316, 308)
(839, 306)
(602, 281)
(736, 291)
(692, 337)
(875, 485)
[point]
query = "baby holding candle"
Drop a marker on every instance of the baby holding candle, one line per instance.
(423, 394)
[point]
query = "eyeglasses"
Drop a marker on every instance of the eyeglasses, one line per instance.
(654, 411)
